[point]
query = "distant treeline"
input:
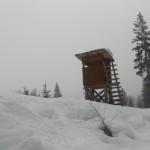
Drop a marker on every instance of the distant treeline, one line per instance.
(44, 93)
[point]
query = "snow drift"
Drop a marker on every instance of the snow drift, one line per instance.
(31, 123)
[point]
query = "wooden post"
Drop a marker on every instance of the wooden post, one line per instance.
(105, 95)
(86, 93)
(92, 94)
(110, 96)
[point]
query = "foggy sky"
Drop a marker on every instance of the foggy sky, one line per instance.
(39, 38)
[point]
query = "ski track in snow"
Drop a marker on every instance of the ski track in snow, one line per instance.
(31, 123)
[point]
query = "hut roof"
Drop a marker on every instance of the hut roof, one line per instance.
(95, 56)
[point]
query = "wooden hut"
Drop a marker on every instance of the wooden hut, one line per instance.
(99, 73)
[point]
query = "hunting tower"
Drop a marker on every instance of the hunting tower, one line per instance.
(100, 79)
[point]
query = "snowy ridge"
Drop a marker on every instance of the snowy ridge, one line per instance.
(30, 123)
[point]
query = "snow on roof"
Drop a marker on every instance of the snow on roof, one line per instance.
(109, 52)
(105, 53)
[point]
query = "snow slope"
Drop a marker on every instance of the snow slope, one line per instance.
(30, 123)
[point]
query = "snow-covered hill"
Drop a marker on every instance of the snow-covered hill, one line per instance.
(30, 123)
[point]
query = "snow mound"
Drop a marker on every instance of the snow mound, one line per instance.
(31, 123)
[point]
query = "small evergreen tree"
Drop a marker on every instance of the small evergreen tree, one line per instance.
(25, 91)
(45, 92)
(130, 102)
(124, 97)
(33, 92)
(140, 102)
(57, 92)
(39, 94)
(142, 48)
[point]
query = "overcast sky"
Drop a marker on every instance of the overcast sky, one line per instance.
(39, 38)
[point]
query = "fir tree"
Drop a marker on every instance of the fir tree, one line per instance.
(146, 95)
(39, 94)
(33, 92)
(25, 91)
(45, 92)
(142, 48)
(123, 97)
(130, 102)
(140, 102)
(57, 92)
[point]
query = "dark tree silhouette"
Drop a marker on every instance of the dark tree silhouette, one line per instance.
(25, 91)
(57, 92)
(142, 48)
(45, 92)
(146, 95)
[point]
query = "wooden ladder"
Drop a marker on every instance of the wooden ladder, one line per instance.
(114, 88)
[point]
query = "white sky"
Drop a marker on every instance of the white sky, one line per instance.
(39, 38)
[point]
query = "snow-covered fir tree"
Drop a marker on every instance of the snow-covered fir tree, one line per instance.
(142, 48)
(45, 92)
(57, 92)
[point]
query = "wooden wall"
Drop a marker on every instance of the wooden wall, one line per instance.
(94, 76)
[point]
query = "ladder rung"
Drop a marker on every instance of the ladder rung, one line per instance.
(111, 70)
(116, 100)
(114, 84)
(112, 74)
(108, 66)
(115, 95)
(114, 92)
(116, 87)
(111, 65)
(115, 79)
